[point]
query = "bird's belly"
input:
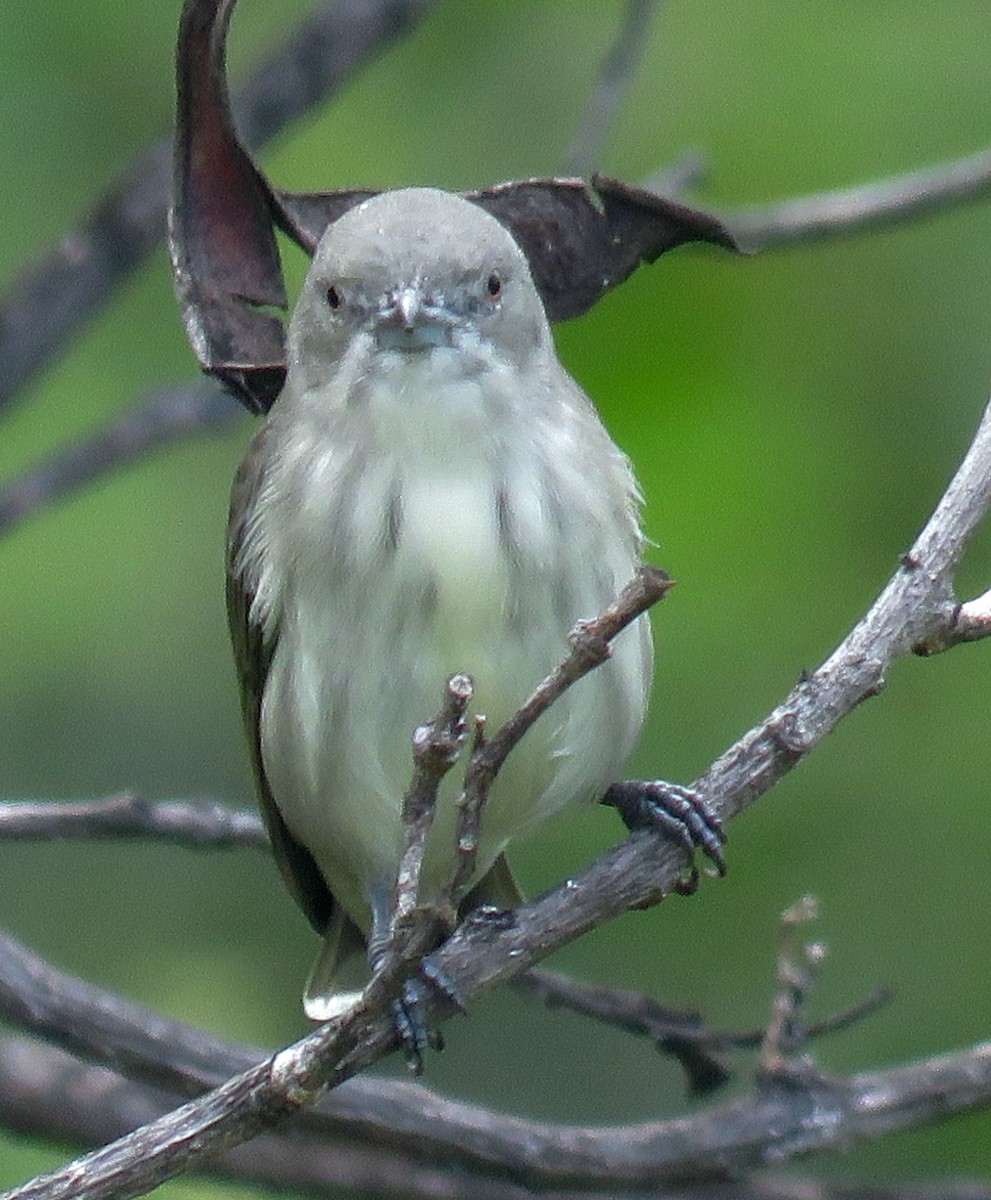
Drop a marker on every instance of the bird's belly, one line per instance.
(361, 662)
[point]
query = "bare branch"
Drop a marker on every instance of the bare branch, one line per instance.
(864, 207)
(96, 1106)
(201, 824)
(103, 1028)
(589, 649)
(436, 748)
(234, 1112)
(50, 301)
(681, 1033)
(415, 1122)
(970, 623)
(917, 601)
(798, 966)
(167, 416)
(207, 824)
(615, 77)
(675, 1032)
(681, 175)
(747, 1133)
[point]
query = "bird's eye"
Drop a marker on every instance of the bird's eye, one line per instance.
(334, 298)
(493, 285)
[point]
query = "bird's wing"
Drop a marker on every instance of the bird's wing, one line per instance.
(252, 655)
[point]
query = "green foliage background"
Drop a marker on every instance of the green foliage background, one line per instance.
(792, 418)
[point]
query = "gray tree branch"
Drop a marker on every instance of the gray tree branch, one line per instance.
(167, 416)
(862, 208)
(632, 1160)
(102, 1107)
(199, 824)
(917, 611)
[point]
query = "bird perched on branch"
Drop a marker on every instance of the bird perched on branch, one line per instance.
(431, 493)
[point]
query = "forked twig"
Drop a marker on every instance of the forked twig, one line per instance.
(590, 647)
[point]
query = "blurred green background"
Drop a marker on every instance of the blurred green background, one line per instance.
(792, 418)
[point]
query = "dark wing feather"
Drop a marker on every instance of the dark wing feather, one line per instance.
(252, 656)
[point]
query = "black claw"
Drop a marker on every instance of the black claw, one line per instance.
(415, 1034)
(677, 812)
(411, 1015)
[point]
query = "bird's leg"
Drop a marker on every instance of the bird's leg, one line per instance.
(678, 813)
(410, 1010)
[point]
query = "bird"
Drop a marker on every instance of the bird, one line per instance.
(431, 493)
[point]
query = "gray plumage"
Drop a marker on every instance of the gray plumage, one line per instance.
(430, 493)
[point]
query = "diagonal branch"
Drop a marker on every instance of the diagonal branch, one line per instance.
(590, 647)
(97, 1106)
(164, 417)
(616, 75)
(917, 601)
(234, 1112)
(514, 1158)
(47, 305)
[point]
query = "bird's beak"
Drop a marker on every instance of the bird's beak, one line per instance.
(409, 320)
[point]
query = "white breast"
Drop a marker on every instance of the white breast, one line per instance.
(410, 542)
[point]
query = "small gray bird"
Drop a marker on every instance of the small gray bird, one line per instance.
(431, 493)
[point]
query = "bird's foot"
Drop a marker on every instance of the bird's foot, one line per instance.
(411, 1017)
(422, 932)
(678, 813)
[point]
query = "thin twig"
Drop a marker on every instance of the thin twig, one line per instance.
(201, 824)
(677, 1033)
(590, 647)
(49, 302)
(467, 830)
(436, 748)
(864, 207)
(615, 77)
(167, 416)
(640, 1014)
(798, 964)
